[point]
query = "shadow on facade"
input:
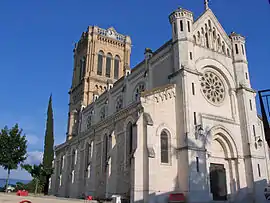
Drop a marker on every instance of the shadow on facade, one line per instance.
(199, 186)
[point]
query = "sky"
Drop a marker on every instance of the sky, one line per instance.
(37, 39)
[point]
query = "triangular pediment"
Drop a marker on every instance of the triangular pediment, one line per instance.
(217, 35)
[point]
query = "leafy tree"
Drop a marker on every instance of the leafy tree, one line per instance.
(36, 172)
(48, 155)
(12, 149)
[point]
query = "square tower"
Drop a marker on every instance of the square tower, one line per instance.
(100, 58)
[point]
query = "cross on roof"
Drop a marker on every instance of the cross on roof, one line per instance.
(206, 6)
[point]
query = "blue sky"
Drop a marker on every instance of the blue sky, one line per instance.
(37, 40)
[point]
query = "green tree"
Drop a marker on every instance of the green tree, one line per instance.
(12, 149)
(48, 155)
(36, 172)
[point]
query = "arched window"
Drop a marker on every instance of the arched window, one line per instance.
(140, 88)
(116, 67)
(100, 62)
(108, 65)
(164, 147)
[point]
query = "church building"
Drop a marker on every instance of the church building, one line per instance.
(182, 121)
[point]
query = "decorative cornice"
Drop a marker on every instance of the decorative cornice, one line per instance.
(243, 87)
(218, 118)
(240, 61)
(184, 69)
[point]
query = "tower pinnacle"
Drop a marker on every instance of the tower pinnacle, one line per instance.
(206, 6)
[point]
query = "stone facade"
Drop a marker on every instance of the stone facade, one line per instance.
(184, 120)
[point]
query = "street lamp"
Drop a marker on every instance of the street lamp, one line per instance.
(198, 131)
(258, 142)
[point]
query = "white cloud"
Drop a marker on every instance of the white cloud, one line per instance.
(34, 157)
(32, 139)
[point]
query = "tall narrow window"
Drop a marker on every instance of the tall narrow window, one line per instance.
(75, 157)
(174, 28)
(223, 48)
(88, 158)
(91, 148)
(89, 153)
(246, 75)
(60, 180)
(72, 176)
(73, 160)
(254, 130)
(250, 104)
(100, 62)
(207, 40)
(197, 164)
(195, 118)
(108, 65)
(190, 55)
(243, 50)
(129, 141)
(164, 145)
(82, 67)
(188, 24)
(193, 89)
(228, 52)
(88, 171)
(181, 25)
(236, 49)
(62, 163)
(139, 89)
(105, 148)
(116, 67)
(259, 170)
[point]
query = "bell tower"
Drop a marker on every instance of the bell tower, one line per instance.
(99, 56)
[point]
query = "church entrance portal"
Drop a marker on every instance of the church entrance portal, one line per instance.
(218, 182)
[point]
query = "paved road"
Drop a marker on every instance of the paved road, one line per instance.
(12, 198)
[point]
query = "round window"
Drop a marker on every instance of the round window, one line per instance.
(212, 87)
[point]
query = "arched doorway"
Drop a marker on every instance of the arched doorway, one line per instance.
(222, 165)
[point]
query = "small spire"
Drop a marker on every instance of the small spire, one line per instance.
(206, 6)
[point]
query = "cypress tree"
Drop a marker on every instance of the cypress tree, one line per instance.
(48, 154)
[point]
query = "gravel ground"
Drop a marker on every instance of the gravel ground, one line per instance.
(12, 198)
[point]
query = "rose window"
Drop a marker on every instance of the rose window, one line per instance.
(212, 87)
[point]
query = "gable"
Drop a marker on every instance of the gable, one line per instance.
(217, 38)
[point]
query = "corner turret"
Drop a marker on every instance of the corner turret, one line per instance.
(240, 59)
(182, 37)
